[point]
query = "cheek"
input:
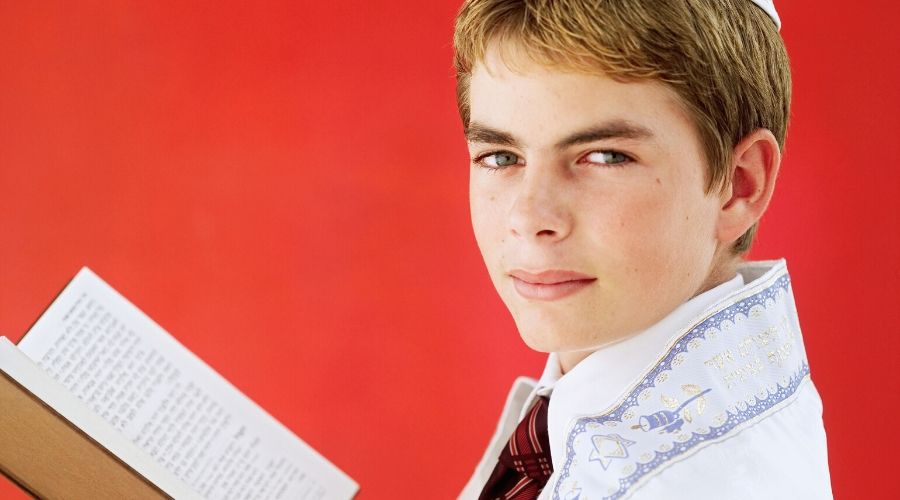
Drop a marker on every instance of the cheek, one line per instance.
(646, 232)
(633, 220)
(675, 239)
(485, 205)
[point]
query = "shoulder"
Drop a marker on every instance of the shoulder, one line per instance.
(780, 456)
(729, 409)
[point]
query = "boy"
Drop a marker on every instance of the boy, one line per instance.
(622, 154)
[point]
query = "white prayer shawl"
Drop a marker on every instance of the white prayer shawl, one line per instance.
(713, 402)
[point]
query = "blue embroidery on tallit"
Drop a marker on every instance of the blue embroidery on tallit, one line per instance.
(670, 420)
(742, 413)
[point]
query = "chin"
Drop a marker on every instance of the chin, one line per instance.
(539, 344)
(549, 340)
(546, 335)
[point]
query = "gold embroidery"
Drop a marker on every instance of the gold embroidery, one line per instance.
(745, 346)
(720, 360)
(691, 389)
(750, 347)
(744, 372)
(780, 355)
(670, 403)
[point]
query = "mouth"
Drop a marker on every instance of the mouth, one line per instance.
(549, 285)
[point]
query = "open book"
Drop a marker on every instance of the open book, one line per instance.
(97, 398)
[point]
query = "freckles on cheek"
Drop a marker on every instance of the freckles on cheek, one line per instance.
(657, 209)
(488, 218)
(643, 229)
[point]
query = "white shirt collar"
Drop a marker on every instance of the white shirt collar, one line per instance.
(602, 376)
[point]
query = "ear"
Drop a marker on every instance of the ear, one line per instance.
(754, 167)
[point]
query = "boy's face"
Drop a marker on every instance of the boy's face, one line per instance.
(601, 178)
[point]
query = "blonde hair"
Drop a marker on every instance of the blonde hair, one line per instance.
(724, 58)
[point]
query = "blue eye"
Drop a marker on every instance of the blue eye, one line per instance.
(607, 157)
(498, 160)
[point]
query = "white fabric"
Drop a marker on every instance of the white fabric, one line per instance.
(769, 7)
(778, 452)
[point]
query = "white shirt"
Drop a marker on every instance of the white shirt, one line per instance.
(607, 419)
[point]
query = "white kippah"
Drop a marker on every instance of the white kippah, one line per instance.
(769, 7)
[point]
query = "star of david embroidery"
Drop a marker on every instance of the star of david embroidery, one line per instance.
(607, 448)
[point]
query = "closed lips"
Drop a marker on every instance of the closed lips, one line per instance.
(549, 285)
(550, 277)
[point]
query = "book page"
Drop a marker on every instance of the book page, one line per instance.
(41, 386)
(169, 403)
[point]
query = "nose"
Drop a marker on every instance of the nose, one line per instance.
(541, 211)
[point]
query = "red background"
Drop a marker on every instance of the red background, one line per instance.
(282, 185)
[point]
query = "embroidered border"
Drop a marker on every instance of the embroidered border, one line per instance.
(743, 412)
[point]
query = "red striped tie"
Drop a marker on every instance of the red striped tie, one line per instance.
(524, 465)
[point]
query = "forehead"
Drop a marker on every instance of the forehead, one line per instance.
(511, 91)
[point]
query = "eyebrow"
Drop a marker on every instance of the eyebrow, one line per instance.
(614, 129)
